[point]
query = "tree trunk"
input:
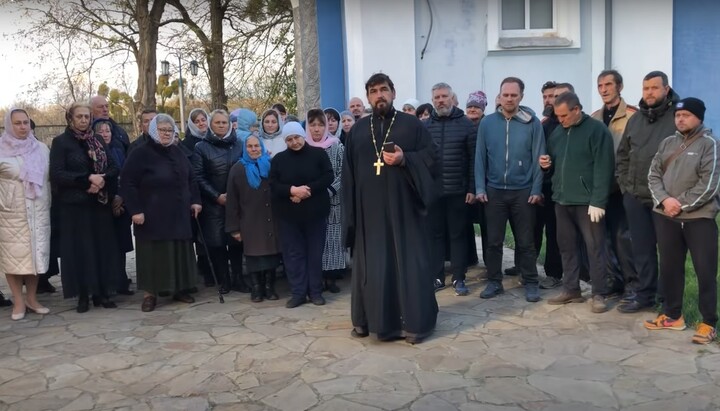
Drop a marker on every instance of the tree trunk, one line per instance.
(215, 57)
(146, 55)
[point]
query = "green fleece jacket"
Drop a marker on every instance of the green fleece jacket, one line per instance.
(583, 163)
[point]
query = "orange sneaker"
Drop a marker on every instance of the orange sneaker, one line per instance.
(663, 322)
(705, 334)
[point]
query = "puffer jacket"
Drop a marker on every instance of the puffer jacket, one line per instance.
(215, 157)
(24, 223)
(455, 137)
(643, 134)
(506, 157)
(693, 177)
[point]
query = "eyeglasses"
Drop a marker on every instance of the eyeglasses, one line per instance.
(166, 130)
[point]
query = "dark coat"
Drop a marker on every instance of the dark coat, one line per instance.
(140, 141)
(158, 182)
(249, 212)
(455, 136)
(70, 167)
(190, 140)
(120, 133)
(212, 166)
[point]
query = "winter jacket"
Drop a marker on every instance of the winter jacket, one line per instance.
(507, 152)
(455, 137)
(693, 177)
(582, 163)
(24, 223)
(619, 121)
(212, 166)
(643, 134)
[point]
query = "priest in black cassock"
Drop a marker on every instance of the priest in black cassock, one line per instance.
(385, 210)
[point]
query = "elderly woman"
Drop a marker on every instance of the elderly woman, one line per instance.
(84, 178)
(319, 134)
(300, 178)
(160, 193)
(249, 218)
(271, 124)
(24, 211)
(347, 120)
(410, 106)
(216, 154)
(117, 151)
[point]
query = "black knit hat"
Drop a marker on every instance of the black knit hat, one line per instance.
(693, 105)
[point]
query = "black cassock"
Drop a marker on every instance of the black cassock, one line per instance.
(384, 222)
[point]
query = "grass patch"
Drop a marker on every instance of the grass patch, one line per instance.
(690, 299)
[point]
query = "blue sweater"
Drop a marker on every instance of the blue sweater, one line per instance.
(507, 152)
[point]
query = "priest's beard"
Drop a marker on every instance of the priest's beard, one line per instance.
(548, 111)
(382, 111)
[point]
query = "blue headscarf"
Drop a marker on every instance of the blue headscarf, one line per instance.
(245, 119)
(257, 169)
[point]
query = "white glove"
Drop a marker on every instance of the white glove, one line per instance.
(596, 214)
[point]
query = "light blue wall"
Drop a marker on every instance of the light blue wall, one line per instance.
(696, 54)
(332, 57)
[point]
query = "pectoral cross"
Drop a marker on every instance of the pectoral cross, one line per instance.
(377, 165)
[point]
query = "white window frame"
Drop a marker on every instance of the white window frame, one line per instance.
(564, 34)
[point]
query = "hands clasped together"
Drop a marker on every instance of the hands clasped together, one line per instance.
(297, 194)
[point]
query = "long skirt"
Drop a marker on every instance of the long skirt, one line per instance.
(165, 265)
(255, 263)
(89, 256)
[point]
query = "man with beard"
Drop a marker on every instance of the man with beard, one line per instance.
(101, 110)
(388, 185)
(615, 114)
(645, 130)
(509, 180)
(454, 135)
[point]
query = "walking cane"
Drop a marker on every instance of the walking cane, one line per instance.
(207, 253)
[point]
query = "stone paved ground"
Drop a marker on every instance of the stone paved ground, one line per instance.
(499, 355)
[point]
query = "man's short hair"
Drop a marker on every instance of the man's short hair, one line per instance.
(148, 111)
(280, 108)
(377, 79)
(569, 98)
(548, 85)
(616, 76)
(515, 80)
(441, 85)
(657, 73)
(565, 85)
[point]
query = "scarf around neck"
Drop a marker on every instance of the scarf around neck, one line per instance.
(327, 138)
(257, 169)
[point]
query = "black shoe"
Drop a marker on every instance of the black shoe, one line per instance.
(104, 302)
(633, 306)
(4, 302)
(439, 285)
(512, 271)
(258, 288)
(83, 305)
(295, 302)
(532, 293)
(269, 279)
(492, 289)
(319, 300)
(355, 334)
(332, 287)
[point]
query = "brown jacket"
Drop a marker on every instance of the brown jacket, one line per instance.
(693, 178)
(618, 122)
(249, 212)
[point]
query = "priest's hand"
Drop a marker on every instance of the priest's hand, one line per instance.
(222, 199)
(469, 198)
(671, 207)
(195, 209)
(393, 159)
(482, 198)
(138, 219)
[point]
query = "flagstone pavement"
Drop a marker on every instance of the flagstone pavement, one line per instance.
(502, 354)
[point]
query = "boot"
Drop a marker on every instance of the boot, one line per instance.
(239, 285)
(225, 284)
(256, 295)
(270, 293)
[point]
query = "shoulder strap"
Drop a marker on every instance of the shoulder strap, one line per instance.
(681, 149)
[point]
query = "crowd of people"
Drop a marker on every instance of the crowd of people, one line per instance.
(398, 192)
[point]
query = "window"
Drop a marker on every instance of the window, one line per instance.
(528, 24)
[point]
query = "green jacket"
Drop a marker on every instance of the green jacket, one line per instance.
(583, 163)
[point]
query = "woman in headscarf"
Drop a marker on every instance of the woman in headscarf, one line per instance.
(84, 180)
(197, 127)
(271, 125)
(333, 122)
(347, 120)
(160, 193)
(24, 211)
(249, 218)
(318, 135)
(216, 154)
(300, 178)
(122, 222)
(246, 119)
